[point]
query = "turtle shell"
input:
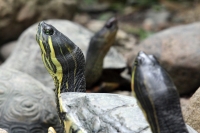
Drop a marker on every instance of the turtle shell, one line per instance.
(26, 106)
(22, 60)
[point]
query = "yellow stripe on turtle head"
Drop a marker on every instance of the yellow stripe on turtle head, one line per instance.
(42, 46)
(58, 73)
(132, 79)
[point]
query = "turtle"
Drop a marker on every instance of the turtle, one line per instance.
(113, 62)
(20, 119)
(157, 96)
(99, 45)
(65, 63)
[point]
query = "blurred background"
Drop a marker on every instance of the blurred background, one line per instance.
(137, 20)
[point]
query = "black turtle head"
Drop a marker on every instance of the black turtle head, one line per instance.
(143, 59)
(53, 45)
(144, 65)
(45, 31)
(105, 37)
(156, 92)
(109, 29)
(60, 56)
(51, 40)
(111, 24)
(46, 28)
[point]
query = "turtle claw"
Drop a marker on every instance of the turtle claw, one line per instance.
(3, 131)
(50, 130)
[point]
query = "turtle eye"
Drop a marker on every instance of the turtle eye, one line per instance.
(48, 31)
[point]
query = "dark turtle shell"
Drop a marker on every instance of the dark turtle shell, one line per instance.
(26, 106)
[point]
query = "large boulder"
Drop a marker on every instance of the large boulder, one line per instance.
(93, 113)
(26, 56)
(17, 15)
(177, 49)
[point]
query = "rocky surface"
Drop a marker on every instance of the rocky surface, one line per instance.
(7, 49)
(16, 16)
(156, 19)
(27, 56)
(94, 113)
(192, 111)
(188, 15)
(25, 102)
(177, 50)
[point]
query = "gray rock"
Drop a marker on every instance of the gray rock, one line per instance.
(93, 112)
(23, 13)
(192, 111)
(26, 56)
(94, 6)
(106, 113)
(7, 49)
(177, 50)
(156, 19)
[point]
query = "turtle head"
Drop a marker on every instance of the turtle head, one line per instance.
(157, 95)
(62, 58)
(48, 38)
(108, 29)
(111, 24)
(143, 60)
(105, 37)
(99, 46)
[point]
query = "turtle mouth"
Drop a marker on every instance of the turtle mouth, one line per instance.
(39, 32)
(40, 27)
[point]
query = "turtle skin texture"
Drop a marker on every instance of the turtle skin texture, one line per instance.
(26, 106)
